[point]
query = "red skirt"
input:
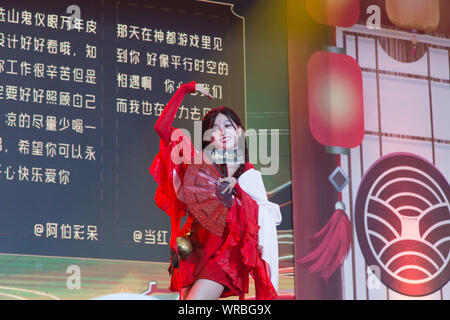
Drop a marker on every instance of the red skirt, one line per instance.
(229, 259)
(201, 262)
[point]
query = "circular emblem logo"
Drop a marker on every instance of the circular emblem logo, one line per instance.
(402, 217)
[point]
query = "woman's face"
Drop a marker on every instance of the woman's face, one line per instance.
(225, 133)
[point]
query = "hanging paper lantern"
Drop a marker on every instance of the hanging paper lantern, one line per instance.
(414, 14)
(335, 96)
(343, 13)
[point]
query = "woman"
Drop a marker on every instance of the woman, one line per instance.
(218, 266)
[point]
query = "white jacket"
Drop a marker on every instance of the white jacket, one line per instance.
(269, 216)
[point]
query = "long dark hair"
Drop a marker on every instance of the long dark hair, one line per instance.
(208, 123)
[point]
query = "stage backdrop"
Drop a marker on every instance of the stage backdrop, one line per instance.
(81, 88)
(406, 84)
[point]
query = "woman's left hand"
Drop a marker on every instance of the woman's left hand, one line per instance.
(200, 88)
(260, 249)
(231, 183)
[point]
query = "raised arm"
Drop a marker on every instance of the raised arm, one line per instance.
(165, 121)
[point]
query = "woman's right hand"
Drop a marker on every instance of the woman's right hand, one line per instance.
(200, 88)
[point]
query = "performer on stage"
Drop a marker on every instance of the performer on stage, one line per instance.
(218, 266)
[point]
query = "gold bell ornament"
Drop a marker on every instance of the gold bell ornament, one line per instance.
(184, 247)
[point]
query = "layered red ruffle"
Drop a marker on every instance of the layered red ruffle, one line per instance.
(229, 259)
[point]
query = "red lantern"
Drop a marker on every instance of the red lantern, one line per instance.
(343, 13)
(335, 96)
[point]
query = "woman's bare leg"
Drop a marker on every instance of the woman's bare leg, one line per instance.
(204, 289)
(185, 292)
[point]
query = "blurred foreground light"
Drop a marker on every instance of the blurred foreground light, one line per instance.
(414, 14)
(335, 98)
(342, 13)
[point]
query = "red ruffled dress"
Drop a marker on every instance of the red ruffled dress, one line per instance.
(228, 259)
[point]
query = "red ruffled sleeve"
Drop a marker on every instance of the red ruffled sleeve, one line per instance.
(239, 255)
(164, 123)
(163, 168)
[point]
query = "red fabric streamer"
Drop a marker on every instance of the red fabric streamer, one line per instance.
(334, 241)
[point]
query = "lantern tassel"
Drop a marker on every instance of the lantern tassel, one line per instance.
(334, 241)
